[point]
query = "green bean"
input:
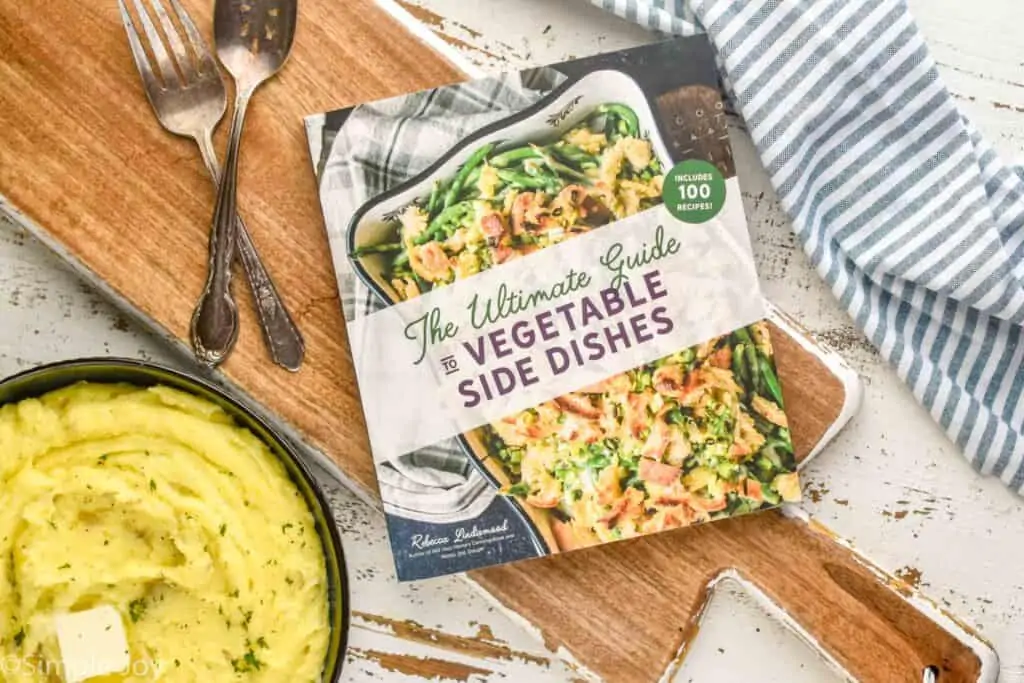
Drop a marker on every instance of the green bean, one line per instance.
(512, 156)
(473, 178)
(611, 130)
(573, 155)
(436, 229)
(777, 445)
(562, 169)
(471, 190)
(400, 260)
(744, 336)
(624, 114)
(428, 235)
(771, 380)
(739, 368)
(763, 426)
(435, 196)
(386, 248)
(752, 363)
(467, 168)
(523, 180)
(534, 167)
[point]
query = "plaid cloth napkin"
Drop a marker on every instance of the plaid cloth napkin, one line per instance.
(378, 146)
(901, 205)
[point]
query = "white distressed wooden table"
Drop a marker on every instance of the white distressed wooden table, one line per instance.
(891, 483)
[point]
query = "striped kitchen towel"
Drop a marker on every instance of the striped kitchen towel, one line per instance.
(900, 204)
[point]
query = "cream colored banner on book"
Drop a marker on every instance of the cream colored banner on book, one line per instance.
(550, 323)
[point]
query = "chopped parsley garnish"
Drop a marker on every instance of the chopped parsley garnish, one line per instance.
(247, 664)
(223, 529)
(152, 485)
(66, 565)
(102, 460)
(19, 637)
(136, 609)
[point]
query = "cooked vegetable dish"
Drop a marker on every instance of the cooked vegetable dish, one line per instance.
(698, 435)
(504, 205)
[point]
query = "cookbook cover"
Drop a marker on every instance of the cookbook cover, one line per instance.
(553, 309)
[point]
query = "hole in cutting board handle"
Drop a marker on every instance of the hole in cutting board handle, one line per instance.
(931, 674)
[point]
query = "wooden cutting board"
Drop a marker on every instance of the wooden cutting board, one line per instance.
(85, 163)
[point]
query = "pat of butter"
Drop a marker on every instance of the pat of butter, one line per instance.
(92, 643)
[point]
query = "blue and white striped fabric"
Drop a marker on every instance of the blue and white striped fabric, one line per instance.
(900, 204)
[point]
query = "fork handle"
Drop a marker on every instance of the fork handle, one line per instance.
(280, 333)
(215, 321)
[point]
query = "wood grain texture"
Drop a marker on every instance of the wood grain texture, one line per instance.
(812, 394)
(81, 154)
(696, 126)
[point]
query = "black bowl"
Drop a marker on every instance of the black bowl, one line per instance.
(41, 380)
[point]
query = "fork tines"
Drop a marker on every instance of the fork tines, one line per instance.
(174, 72)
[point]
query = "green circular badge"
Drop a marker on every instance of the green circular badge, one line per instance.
(694, 191)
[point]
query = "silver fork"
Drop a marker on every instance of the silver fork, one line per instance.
(190, 101)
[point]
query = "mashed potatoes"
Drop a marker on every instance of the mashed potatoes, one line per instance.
(154, 502)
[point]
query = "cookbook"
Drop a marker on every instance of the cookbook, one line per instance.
(553, 309)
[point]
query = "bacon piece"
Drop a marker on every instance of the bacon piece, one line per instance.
(579, 404)
(430, 262)
(523, 203)
(722, 358)
(658, 473)
(709, 504)
(636, 413)
(753, 490)
(493, 226)
(668, 380)
(657, 440)
(740, 449)
(629, 505)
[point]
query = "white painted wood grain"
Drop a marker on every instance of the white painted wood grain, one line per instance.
(891, 483)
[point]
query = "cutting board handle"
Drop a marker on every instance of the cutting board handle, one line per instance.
(694, 126)
(869, 625)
